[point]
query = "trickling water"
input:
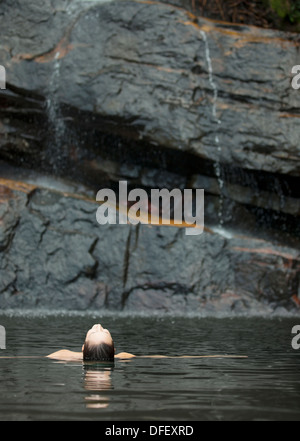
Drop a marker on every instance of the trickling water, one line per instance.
(56, 122)
(56, 155)
(217, 165)
(211, 78)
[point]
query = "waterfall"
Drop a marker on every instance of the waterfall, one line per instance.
(57, 127)
(217, 164)
(56, 154)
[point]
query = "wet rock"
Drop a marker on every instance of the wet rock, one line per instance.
(148, 66)
(148, 93)
(58, 257)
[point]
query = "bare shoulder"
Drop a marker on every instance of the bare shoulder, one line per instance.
(66, 355)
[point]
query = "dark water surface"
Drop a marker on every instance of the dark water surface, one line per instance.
(266, 386)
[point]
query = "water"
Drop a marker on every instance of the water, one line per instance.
(266, 386)
(214, 87)
(56, 121)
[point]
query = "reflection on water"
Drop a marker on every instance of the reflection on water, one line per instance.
(266, 386)
(96, 380)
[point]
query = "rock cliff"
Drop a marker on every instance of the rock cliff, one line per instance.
(147, 92)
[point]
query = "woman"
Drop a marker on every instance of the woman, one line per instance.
(99, 346)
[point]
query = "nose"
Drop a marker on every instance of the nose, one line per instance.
(97, 328)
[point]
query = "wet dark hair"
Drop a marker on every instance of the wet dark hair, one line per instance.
(102, 352)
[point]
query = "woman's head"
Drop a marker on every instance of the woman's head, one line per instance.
(98, 345)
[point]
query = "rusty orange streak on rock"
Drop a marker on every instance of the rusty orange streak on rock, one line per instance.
(296, 300)
(8, 185)
(254, 35)
(24, 187)
(289, 115)
(5, 194)
(266, 251)
(60, 51)
(241, 39)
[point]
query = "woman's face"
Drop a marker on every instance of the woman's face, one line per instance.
(97, 335)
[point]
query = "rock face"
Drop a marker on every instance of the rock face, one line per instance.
(55, 255)
(175, 82)
(145, 91)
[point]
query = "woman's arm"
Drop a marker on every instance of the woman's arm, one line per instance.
(124, 356)
(66, 355)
